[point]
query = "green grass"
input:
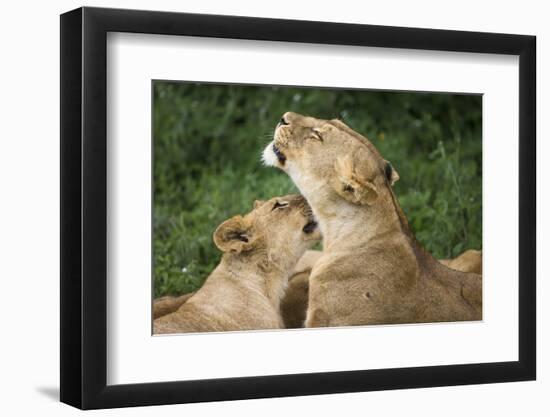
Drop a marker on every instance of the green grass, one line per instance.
(207, 144)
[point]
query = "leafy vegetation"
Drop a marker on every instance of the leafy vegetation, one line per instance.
(207, 144)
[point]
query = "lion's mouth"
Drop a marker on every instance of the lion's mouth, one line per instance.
(280, 156)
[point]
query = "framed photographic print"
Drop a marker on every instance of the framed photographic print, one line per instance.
(257, 208)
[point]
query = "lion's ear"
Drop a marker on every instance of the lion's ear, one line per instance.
(391, 173)
(258, 203)
(233, 235)
(353, 186)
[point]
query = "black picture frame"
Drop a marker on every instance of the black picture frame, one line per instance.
(84, 207)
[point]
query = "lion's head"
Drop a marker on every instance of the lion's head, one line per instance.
(283, 227)
(327, 157)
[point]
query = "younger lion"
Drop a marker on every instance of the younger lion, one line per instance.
(168, 304)
(372, 270)
(260, 252)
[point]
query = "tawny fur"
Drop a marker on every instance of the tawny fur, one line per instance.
(372, 270)
(469, 261)
(244, 291)
(168, 304)
(295, 301)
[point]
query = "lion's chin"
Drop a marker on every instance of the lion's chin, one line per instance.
(269, 158)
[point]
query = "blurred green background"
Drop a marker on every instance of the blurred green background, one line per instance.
(207, 144)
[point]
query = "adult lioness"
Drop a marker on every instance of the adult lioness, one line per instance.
(295, 301)
(372, 271)
(260, 252)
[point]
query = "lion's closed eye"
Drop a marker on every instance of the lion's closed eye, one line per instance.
(279, 205)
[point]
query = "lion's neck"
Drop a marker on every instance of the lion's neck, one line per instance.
(346, 225)
(260, 275)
